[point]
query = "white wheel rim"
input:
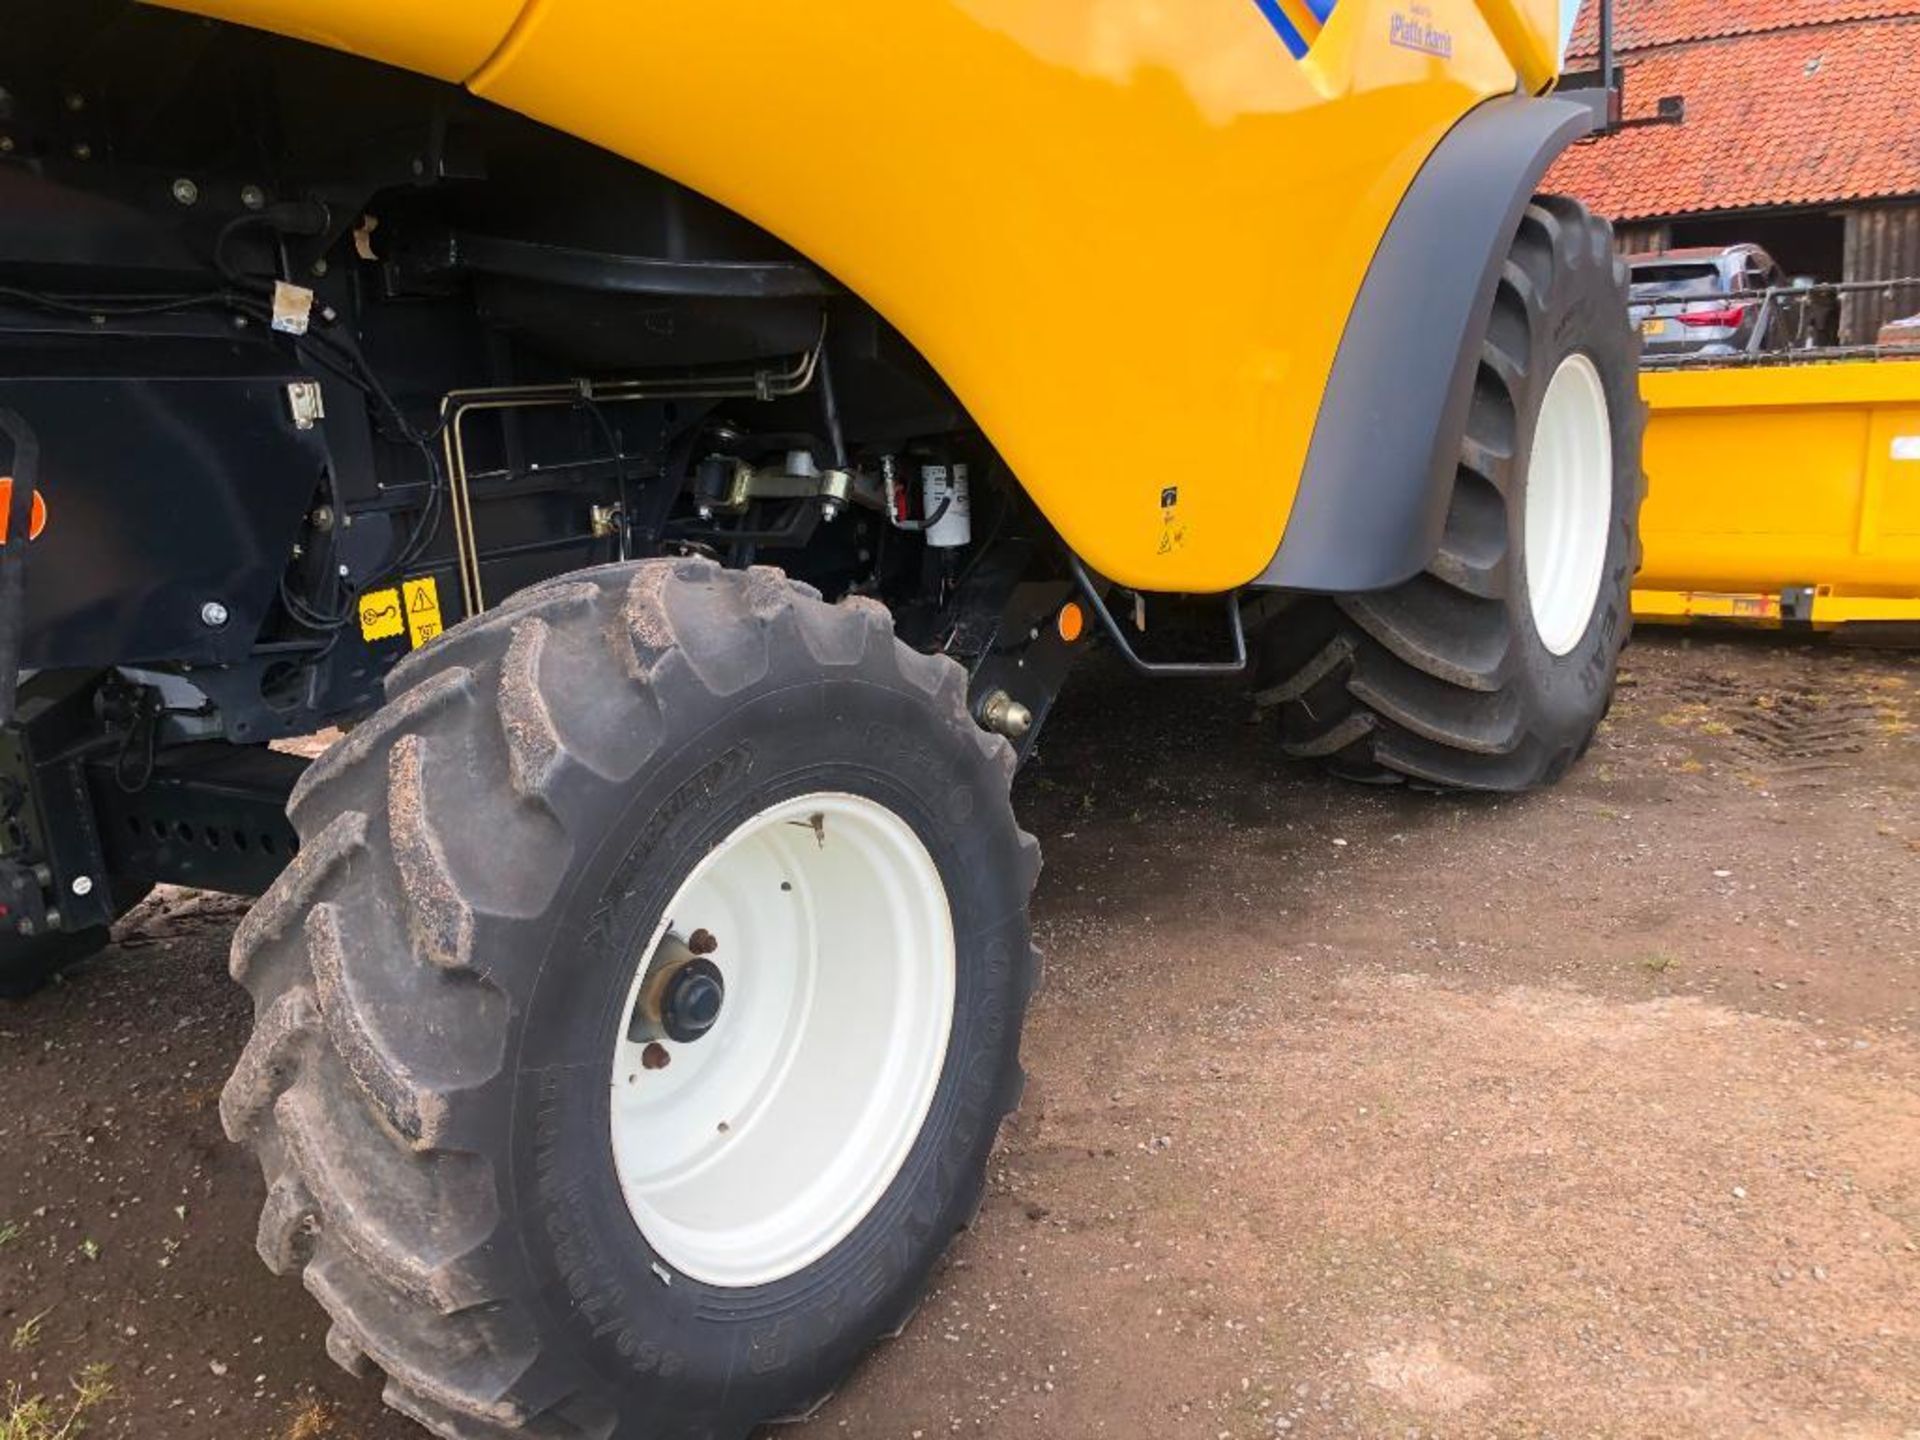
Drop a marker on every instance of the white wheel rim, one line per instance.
(1569, 504)
(761, 1145)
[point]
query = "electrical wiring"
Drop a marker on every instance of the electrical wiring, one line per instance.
(330, 349)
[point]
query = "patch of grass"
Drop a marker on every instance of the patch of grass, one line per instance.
(1684, 716)
(9, 1232)
(1658, 964)
(26, 1334)
(313, 1421)
(38, 1418)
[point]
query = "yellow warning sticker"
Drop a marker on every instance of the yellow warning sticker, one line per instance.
(423, 610)
(380, 615)
(1173, 530)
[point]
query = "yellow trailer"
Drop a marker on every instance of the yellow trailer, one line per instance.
(1782, 494)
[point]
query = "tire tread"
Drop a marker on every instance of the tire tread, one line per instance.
(377, 1026)
(1416, 683)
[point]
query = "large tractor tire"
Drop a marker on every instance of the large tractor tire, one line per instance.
(634, 1025)
(1492, 668)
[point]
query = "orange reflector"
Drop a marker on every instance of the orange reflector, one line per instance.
(35, 525)
(1071, 621)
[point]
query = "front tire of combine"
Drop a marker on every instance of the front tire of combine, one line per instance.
(634, 1025)
(1492, 668)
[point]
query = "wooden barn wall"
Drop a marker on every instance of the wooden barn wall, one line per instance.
(1638, 237)
(1883, 243)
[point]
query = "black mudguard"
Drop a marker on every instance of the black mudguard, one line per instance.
(1373, 497)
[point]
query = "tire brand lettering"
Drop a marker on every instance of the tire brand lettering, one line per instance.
(585, 1268)
(1593, 675)
(699, 790)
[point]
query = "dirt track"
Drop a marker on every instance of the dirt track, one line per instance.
(1353, 1112)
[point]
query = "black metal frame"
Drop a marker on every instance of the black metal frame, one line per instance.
(13, 555)
(56, 875)
(95, 810)
(212, 533)
(210, 816)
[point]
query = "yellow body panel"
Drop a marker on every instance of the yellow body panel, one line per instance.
(1764, 479)
(447, 39)
(1529, 31)
(1128, 234)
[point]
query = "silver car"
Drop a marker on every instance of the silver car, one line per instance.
(1709, 300)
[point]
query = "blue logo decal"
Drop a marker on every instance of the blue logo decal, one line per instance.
(1297, 22)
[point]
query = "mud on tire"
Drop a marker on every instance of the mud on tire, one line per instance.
(441, 974)
(1445, 679)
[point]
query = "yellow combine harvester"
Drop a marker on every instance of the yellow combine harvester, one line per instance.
(1783, 495)
(687, 445)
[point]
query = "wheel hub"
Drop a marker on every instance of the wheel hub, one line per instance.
(681, 991)
(785, 1036)
(1569, 504)
(692, 1001)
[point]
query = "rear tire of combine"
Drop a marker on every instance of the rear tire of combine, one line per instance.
(633, 1027)
(1492, 668)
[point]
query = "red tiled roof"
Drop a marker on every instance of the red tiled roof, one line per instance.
(1639, 24)
(1796, 117)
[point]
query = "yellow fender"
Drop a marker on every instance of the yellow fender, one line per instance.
(1128, 235)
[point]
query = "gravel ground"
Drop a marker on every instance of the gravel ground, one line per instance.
(1353, 1112)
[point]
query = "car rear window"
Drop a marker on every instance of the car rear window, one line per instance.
(1659, 281)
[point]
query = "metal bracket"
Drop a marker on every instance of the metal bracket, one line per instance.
(1163, 669)
(305, 403)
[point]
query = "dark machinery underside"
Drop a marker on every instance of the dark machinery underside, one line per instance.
(308, 360)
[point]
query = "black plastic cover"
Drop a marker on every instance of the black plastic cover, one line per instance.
(1379, 472)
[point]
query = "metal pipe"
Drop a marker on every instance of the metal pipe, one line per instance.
(830, 414)
(1162, 669)
(1782, 359)
(456, 405)
(1606, 47)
